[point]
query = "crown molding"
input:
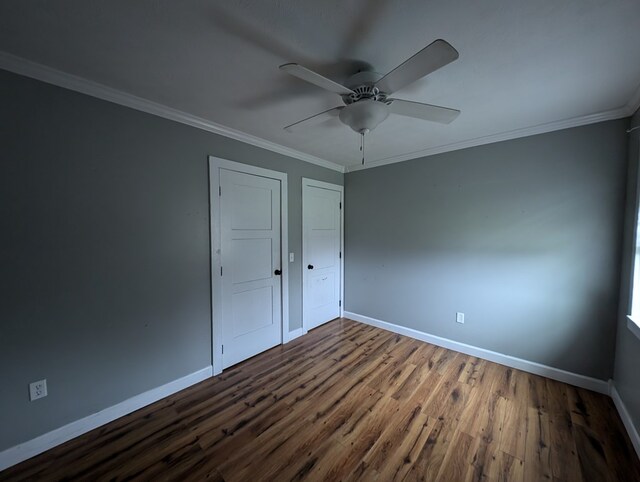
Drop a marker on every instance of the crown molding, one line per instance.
(625, 111)
(21, 66)
(28, 68)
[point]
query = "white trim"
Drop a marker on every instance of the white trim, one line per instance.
(53, 76)
(619, 113)
(342, 250)
(215, 164)
(33, 447)
(28, 68)
(284, 253)
(630, 281)
(293, 334)
(582, 381)
(633, 326)
(307, 182)
(626, 418)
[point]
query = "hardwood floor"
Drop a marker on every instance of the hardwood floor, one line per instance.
(353, 402)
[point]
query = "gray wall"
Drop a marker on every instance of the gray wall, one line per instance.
(523, 236)
(627, 367)
(104, 251)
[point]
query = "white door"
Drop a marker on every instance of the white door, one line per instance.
(250, 265)
(321, 253)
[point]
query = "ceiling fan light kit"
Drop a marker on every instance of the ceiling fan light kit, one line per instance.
(365, 115)
(366, 94)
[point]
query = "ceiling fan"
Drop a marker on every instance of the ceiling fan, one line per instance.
(366, 94)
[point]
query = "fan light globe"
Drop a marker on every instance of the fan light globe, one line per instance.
(365, 115)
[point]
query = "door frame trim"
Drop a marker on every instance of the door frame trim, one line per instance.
(215, 164)
(307, 183)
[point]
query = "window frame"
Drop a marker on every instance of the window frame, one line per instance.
(633, 319)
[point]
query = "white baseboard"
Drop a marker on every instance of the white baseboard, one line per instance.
(60, 435)
(292, 335)
(626, 418)
(582, 381)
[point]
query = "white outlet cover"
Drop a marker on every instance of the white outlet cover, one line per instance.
(38, 390)
(459, 317)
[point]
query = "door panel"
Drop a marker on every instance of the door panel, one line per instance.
(323, 288)
(250, 253)
(321, 255)
(322, 248)
(252, 310)
(251, 206)
(252, 259)
(322, 209)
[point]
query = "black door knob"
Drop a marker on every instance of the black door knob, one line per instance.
(277, 272)
(310, 266)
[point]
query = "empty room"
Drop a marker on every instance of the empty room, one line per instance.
(357, 240)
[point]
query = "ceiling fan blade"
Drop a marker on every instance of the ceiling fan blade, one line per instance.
(435, 55)
(433, 113)
(315, 79)
(314, 119)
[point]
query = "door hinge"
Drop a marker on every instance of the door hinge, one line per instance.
(340, 205)
(219, 190)
(340, 303)
(340, 255)
(220, 270)
(223, 349)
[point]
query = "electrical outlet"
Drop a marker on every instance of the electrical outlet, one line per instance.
(37, 390)
(291, 257)
(459, 317)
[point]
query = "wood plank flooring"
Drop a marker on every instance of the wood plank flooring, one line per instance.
(353, 402)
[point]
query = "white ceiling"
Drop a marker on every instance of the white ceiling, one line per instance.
(523, 63)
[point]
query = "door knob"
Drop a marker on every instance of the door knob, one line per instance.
(310, 266)
(277, 272)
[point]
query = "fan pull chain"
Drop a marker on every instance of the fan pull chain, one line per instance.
(362, 146)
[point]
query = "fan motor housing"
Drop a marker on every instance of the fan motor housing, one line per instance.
(363, 86)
